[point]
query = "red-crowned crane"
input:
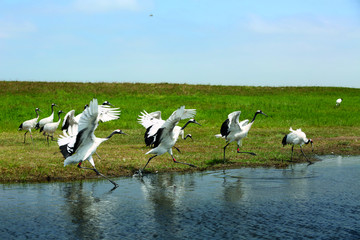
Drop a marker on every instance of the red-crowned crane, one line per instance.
(50, 128)
(297, 137)
(167, 134)
(234, 131)
(29, 124)
(338, 102)
(49, 119)
(71, 121)
(86, 142)
(70, 128)
(152, 122)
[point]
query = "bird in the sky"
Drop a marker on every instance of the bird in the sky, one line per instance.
(29, 124)
(167, 135)
(234, 131)
(86, 142)
(297, 137)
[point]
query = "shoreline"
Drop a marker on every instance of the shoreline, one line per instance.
(219, 166)
(38, 163)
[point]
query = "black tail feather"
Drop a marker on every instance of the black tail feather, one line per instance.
(149, 140)
(66, 124)
(64, 151)
(158, 137)
(224, 130)
(284, 141)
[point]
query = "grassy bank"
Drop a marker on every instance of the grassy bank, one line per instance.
(334, 130)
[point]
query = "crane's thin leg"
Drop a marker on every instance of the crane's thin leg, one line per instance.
(139, 173)
(31, 136)
(292, 151)
(98, 173)
(224, 150)
(147, 164)
(47, 139)
(25, 136)
(238, 151)
(305, 156)
(182, 162)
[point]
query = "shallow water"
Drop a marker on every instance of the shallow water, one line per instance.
(319, 201)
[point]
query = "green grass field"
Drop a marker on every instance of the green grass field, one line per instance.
(334, 130)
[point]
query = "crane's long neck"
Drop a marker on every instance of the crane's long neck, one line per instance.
(112, 134)
(52, 108)
(187, 123)
(37, 113)
(254, 117)
(59, 117)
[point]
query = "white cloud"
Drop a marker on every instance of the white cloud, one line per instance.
(99, 6)
(11, 29)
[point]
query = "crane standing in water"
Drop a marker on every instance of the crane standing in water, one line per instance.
(297, 137)
(167, 134)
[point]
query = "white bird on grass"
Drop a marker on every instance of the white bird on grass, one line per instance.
(86, 142)
(297, 137)
(152, 122)
(50, 128)
(29, 124)
(167, 135)
(338, 102)
(105, 114)
(49, 119)
(234, 131)
(70, 123)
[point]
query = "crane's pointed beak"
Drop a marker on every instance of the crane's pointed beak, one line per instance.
(264, 114)
(197, 123)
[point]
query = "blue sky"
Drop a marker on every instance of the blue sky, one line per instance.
(230, 42)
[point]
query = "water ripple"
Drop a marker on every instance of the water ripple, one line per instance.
(319, 201)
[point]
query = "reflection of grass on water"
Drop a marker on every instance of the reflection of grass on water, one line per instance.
(334, 130)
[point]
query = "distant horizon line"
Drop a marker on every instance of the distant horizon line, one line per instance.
(176, 83)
